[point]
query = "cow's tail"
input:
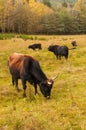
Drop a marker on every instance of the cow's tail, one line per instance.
(71, 48)
(8, 61)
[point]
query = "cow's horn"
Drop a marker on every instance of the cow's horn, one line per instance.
(54, 77)
(49, 82)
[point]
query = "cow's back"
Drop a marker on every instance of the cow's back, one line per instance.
(15, 64)
(62, 50)
(15, 60)
(20, 64)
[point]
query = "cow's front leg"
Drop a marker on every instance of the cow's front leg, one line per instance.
(35, 89)
(24, 87)
(57, 57)
(35, 86)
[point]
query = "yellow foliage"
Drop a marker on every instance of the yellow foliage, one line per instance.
(39, 8)
(31, 1)
(2, 3)
(80, 6)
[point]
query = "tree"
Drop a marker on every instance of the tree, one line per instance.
(46, 2)
(80, 14)
(48, 24)
(64, 4)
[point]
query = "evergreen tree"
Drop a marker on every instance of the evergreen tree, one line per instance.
(46, 2)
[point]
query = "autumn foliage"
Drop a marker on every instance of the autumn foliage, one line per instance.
(30, 16)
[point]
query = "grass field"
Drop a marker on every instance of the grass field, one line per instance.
(66, 110)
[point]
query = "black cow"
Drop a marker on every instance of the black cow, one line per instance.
(26, 68)
(74, 43)
(35, 46)
(59, 51)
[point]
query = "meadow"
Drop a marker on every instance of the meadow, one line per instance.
(66, 110)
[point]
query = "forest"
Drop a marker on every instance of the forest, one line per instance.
(43, 17)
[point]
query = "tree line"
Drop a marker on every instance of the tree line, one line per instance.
(31, 17)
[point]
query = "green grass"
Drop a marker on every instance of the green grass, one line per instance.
(6, 36)
(23, 36)
(66, 110)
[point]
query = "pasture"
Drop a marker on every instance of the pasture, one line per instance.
(66, 110)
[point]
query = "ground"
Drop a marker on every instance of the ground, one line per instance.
(66, 110)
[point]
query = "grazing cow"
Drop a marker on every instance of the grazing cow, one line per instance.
(60, 51)
(35, 46)
(26, 68)
(74, 43)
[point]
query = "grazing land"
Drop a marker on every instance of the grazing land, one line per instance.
(66, 110)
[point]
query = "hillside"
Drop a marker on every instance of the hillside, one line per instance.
(58, 2)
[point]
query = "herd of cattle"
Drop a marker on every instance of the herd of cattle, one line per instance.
(26, 68)
(59, 51)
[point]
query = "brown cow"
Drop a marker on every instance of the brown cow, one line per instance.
(26, 68)
(74, 44)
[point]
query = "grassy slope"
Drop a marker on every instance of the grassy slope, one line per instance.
(66, 110)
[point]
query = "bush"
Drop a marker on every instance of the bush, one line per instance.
(6, 36)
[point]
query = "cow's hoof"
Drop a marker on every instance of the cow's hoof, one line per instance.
(24, 95)
(18, 90)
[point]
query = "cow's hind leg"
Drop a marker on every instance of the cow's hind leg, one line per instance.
(59, 57)
(66, 57)
(15, 81)
(24, 87)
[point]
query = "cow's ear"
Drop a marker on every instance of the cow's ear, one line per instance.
(42, 83)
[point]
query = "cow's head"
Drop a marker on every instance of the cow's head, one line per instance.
(52, 48)
(30, 46)
(46, 87)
